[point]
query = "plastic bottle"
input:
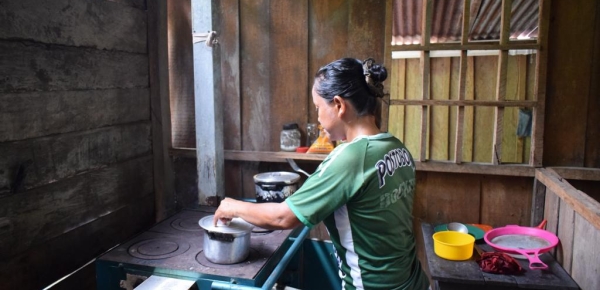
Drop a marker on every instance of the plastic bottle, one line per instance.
(290, 137)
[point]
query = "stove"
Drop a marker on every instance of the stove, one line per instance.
(173, 248)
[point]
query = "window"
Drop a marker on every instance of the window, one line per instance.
(467, 80)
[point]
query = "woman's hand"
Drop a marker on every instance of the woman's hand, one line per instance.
(226, 211)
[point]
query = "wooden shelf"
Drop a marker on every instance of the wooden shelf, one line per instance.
(258, 156)
(432, 166)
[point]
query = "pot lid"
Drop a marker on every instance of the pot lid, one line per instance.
(277, 177)
(236, 226)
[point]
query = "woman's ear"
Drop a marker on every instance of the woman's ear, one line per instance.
(340, 104)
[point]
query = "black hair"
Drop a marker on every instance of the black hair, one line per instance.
(358, 81)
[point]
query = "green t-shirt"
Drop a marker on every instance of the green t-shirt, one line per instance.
(363, 192)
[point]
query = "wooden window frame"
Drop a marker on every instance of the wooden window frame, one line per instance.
(504, 44)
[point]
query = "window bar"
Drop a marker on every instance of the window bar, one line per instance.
(425, 72)
(537, 124)
(462, 83)
(501, 81)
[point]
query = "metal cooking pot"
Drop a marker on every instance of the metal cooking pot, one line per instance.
(226, 244)
(275, 186)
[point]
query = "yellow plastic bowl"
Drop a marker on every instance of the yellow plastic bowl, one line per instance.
(453, 245)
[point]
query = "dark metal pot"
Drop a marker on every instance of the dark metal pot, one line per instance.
(275, 186)
(226, 244)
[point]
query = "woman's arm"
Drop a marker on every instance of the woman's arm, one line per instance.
(269, 215)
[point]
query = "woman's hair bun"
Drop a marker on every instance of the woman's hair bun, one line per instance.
(378, 73)
(375, 74)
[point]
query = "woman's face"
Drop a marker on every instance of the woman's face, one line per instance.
(328, 117)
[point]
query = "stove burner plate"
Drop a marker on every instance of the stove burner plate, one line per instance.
(252, 257)
(189, 224)
(160, 248)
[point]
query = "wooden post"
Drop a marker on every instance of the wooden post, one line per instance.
(208, 104)
(425, 73)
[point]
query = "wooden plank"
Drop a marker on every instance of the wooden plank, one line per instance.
(181, 74)
(592, 138)
(586, 255)
(36, 114)
(229, 39)
(96, 24)
(478, 103)
(45, 213)
(389, 63)
(506, 200)
(468, 134)
(538, 200)
(161, 122)
(425, 68)
(289, 75)
(462, 86)
(551, 213)
(499, 111)
(254, 41)
(328, 29)
(484, 118)
(412, 127)
(51, 159)
(398, 91)
(487, 45)
(365, 17)
(35, 67)
(566, 234)
(584, 205)
(437, 166)
(453, 114)
(87, 241)
(501, 82)
(255, 77)
(577, 173)
(440, 116)
(570, 86)
(445, 192)
(537, 123)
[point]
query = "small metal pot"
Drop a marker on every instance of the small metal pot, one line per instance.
(275, 186)
(226, 244)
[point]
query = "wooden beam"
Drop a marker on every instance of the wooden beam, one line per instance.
(501, 82)
(160, 108)
(460, 116)
(582, 203)
(537, 124)
(209, 106)
(387, 60)
(578, 173)
(494, 45)
(465, 103)
(425, 64)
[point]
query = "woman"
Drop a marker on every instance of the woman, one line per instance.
(363, 191)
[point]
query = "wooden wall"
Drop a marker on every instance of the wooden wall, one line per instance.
(574, 217)
(572, 135)
(271, 49)
(76, 163)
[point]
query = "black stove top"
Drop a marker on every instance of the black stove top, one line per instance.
(173, 248)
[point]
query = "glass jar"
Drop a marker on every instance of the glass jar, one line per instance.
(290, 137)
(312, 133)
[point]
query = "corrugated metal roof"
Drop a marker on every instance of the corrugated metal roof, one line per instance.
(447, 19)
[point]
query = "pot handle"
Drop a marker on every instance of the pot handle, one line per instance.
(228, 238)
(534, 261)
